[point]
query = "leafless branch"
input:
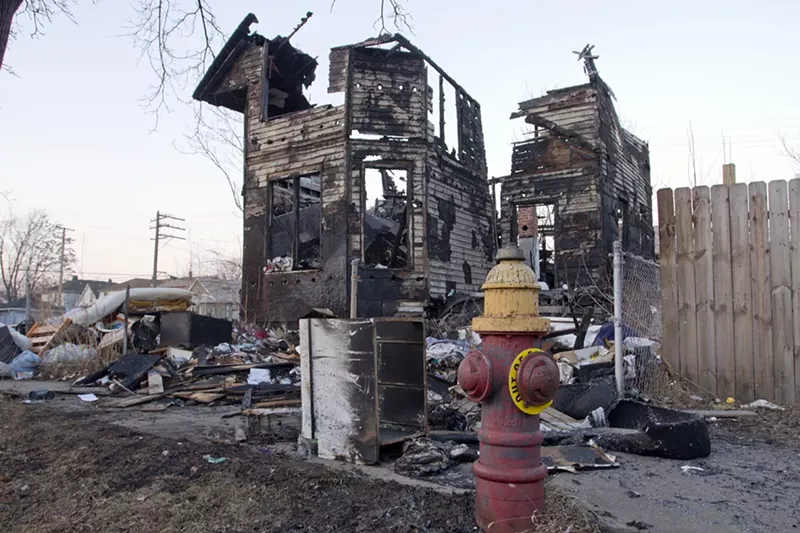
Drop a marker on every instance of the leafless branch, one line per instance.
(692, 156)
(788, 151)
(396, 12)
(399, 16)
(41, 13)
(217, 137)
(166, 34)
(30, 247)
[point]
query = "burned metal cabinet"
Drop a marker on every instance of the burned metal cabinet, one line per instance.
(369, 180)
(579, 182)
(363, 385)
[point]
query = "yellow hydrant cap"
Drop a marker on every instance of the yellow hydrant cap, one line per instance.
(511, 301)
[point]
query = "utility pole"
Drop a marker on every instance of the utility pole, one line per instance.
(27, 301)
(160, 226)
(62, 264)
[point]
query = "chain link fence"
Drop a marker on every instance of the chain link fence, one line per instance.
(644, 370)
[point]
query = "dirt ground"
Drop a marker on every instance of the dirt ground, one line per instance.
(72, 466)
(65, 467)
(64, 472)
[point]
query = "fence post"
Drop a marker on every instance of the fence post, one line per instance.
(618, 318)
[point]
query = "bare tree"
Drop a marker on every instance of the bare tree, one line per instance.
(39, 13)
(788, 151)
(692, 155)
(218, 135)
(226, 266)
(30, 253)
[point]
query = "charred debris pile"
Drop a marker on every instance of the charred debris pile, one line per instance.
(149, 347)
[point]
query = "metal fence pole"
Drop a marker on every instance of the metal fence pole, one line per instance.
(618, 317)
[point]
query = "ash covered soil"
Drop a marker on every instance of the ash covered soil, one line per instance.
(64, 472)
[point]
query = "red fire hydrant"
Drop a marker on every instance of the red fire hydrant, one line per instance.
(514, 380)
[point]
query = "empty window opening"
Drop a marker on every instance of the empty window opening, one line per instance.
(434, 111)
(451, 120)
(386, 236)
(295, 224)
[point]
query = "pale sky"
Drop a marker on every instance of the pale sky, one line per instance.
(76, 143)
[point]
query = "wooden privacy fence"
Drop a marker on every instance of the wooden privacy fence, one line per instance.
(730, 282)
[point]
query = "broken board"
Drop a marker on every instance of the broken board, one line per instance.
(199, 397)
(42, 336)
(558, 420)
(576, 458)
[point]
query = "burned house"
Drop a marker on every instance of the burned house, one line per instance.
(577, 184)
(392, 181)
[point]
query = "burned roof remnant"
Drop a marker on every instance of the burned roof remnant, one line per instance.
(579, 182)
(395, 178)
(285, 69)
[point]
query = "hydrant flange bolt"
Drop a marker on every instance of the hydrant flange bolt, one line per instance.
(538, 379)
(475, 376)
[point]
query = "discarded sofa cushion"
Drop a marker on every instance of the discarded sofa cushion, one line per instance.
(578, 400)
(675, 434)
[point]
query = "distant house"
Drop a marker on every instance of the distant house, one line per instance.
(134, 283)
(12, 313)
(74, 293)
(215, 297)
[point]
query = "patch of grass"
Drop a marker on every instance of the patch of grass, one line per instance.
(564, 514)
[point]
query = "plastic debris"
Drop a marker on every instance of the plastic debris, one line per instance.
(69, 352)
(444, 356)
(566, 372)
(763, 404)
(730, 401)
(215, 460)
(87, 397)
(24, 365)
(687, 468)
(259, 375)
(597, 418)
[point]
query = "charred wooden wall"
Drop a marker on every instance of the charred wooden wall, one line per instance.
(626, 189)
(584, 163)
(451, 220)
(382, 292)
(460, 246)
(300, 143)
